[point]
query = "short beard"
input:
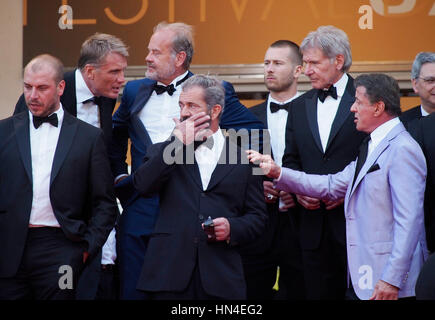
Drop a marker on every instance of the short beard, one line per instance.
(164, 73)
(280, 88)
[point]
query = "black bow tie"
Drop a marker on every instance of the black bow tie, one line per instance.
(274, 107)
(170, 89)
(37, 121)
(95, 100)
(209, 142)
(322, 94)
(159, 89)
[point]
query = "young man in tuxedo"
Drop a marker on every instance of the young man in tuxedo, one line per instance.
(385, 238)
(279, 244)
(423, 82)
(57, 168)
(321, 138)
(195, 184)
(145, 117)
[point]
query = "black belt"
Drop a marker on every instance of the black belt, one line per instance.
(107, 267)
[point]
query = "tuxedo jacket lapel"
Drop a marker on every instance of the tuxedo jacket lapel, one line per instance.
(69, 99)
(262, 114)
(343, 111)
(66, 137)
(229, 159)
(22, 133)
(142, 97)
(373, 157)
(311, 109)
(106, 110)
(193, 170)
(260, 111)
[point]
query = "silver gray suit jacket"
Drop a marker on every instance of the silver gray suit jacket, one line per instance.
(385, 235)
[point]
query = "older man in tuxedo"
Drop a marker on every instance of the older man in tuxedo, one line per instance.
(321, 138)
(425, 135)
(57, 168)
(386, 244)
(195, 182)
(92, 88)
(145, 117)
(423, 83)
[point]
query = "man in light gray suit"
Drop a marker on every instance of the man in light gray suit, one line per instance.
(383, 191)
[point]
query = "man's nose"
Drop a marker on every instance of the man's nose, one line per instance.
(307, 69)
(121, 77)
(353, 108)
(184, 112)
(33, 93)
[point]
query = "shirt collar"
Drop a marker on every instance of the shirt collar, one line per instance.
(82, 91)
(341, 84)
(174, 82)
(287, 101)
(424, 113)
(381, 132)
(218, 141)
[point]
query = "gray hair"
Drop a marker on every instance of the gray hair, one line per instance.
(420, 60)
(214, 92)
(381, 87)
(98, 46)
(182, 41)
(332, 41)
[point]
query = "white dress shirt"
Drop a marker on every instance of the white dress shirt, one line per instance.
(87, 112)
(276, 123)
(380, 133)
(424, 113)
(43, 142)
(327, 110)
(207, 159)
(158, 113)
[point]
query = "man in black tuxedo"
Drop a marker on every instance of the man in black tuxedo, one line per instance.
(91, 90)
(424, 133)
(57, 168)
(425, 136)
(90, 94)
(211, 180)
(321, 138)
(279, 244)
(423, 83)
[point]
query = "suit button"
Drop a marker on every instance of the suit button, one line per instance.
(201, 217)
(203, 195)
(195, 240)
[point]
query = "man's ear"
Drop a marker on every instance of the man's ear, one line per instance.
(180, 58)
(339, 61)
(414, 85)
(297, 71)
(216, 111)
(89, 71)
(61, 87)
(379, 108)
